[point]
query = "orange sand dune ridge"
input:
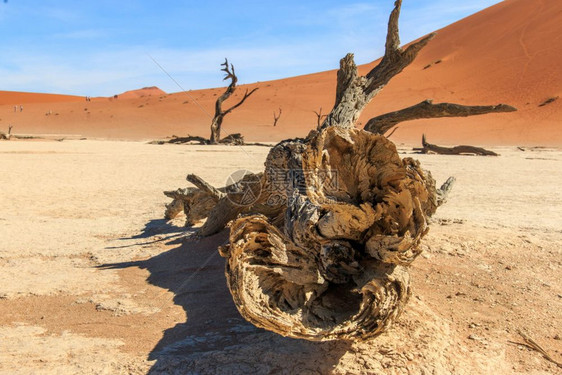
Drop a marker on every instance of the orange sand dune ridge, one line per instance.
(508, 53)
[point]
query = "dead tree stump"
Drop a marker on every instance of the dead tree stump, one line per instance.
(334, 264)
(323, 251)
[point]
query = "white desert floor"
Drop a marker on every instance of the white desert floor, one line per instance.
(94, 281)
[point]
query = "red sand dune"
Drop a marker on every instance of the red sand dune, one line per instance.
(140, 93)
(509, 53)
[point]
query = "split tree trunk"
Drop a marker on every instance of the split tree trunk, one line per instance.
(323, 251)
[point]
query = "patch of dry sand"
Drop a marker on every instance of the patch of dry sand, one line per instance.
(94, 281)
(31, 350)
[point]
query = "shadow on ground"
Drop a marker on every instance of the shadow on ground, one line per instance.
(215, 339)
(156, 230)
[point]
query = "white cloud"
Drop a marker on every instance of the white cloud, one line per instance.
(109, 72)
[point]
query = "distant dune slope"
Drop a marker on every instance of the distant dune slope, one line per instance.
(19, 98)
(509, 53)
(145, 91)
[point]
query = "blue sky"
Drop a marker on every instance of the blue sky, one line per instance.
(101, 48)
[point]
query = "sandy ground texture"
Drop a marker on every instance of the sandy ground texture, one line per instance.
(94, 281)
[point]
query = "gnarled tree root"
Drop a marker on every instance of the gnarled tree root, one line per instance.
(335, 266)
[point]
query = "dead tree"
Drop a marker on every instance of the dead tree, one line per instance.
(319, 117)
(428, 148)
(276, 117)
(7, 136)
(216, 124)
(323, 250)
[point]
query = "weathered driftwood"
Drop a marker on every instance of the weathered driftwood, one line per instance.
(426, 109)
(206, 202)
(231, 139)
(444, 190)
(213, 192)
(189, 139)
(429, 148)
(327, 251)
(322, 249)
(216, 124)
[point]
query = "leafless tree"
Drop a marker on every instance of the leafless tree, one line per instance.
(216, 124)
(276, 117)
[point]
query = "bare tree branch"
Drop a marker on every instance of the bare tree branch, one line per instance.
(319, 117)
(205, 186)
(392, 132)
(246, 96)
(188, 139)
(426, 109)
(354, 92)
